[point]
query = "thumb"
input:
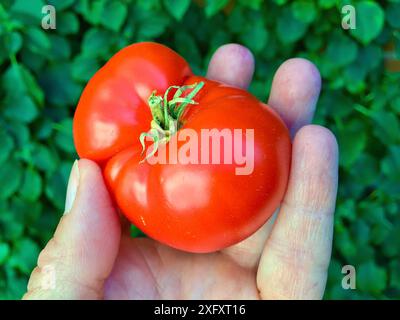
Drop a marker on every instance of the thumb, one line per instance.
(81, 254)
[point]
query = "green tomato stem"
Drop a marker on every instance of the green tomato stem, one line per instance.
(167, 114)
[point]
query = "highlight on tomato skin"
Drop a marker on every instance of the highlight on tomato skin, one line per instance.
(152, 124)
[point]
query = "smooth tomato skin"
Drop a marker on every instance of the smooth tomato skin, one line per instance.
(113, 167)
(192, 207)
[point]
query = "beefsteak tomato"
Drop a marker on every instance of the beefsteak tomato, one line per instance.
(197, 204)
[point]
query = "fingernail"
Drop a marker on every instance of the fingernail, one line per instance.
(72, 188)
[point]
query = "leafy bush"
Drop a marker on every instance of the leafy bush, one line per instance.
(43, 73)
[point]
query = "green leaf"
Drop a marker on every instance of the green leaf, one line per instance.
(370, 57)
(63, 138)
(368, 165)
(149, 5)
(60, 48)
(369, 21)
(255, 36)
(96, 42)
(43, 227)
(390, 247)
(395, 273)
(213, 7)
(13, 42)
(257, 88)
(37, 40)
(360, 232)
(372, 212)
(335, 272)
(43, 128)
(30, 12)
(6, 145)
(387, 127)
(58, 85)
(31, 60)
(253, 4)
(354, 75)
(10, 228)
(16, 284)
(378, 234)
(4, 252)
(347, 211)
(150, 28)
(25, 211)
(365, 253)
(345, 245)
(56, 185)
(60, 5)
(395, 104)
(31, 86)
(17, 82)
(20, 108)
(397, 44)
(10, 177)
(135, 232)
(336, 103)
(393, 14)
(218, 39)
(371, 278)
(187, 47)
(44, 158)
(114, 15)
(289, 28)
(13, 83)
(236, 20)
(341, 50)
(67, 23)
(304, 10)
(391, 163)
(327, 4)
(20, 133)
(24, 255)
(313, 42)
(352, 141)
(84, 67)
(31, 187)
(177, 8)
(91, 10)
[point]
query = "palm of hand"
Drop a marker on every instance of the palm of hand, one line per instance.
(146, 269)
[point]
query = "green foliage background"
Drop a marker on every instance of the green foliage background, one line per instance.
(43, 73)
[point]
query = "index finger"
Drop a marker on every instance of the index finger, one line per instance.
(294, 92)
(232, 64)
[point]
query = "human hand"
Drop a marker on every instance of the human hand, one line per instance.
(92, 255)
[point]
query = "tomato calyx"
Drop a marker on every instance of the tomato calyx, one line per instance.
(167, 114)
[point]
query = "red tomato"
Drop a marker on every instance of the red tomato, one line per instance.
(196, 207)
